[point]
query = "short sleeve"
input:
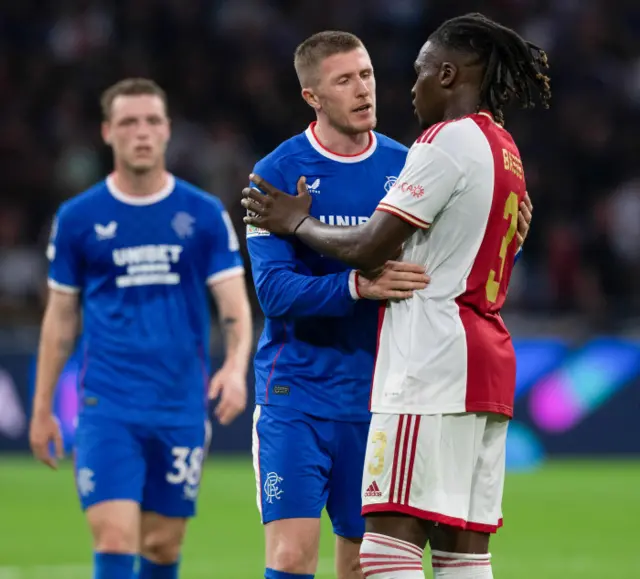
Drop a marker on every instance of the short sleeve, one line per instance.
(224, 258)
(427, 182)
(63, 253)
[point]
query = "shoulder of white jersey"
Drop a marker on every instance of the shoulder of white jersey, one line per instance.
(461, 139)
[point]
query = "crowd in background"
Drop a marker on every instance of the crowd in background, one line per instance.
(228, 68)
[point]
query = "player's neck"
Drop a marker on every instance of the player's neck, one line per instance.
(340, 143)
(140, 185)
(462, 105)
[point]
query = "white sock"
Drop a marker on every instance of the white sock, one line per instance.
(461, 565)
(383, 557)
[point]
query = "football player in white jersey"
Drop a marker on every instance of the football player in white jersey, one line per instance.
(444, 382)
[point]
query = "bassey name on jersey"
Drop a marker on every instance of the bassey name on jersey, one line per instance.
(147, 265)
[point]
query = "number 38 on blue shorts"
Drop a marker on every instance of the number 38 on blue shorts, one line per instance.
(157, 467)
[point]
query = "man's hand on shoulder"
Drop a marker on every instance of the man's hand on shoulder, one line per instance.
(275, 210)
(395, 280)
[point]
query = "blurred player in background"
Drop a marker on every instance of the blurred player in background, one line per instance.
(133, 259)
(315, 358)
(445, 372)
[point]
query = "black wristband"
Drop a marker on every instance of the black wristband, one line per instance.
(301, 222)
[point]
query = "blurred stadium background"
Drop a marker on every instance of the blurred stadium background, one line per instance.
(573, 495)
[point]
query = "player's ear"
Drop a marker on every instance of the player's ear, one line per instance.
(448, 72)
(311, 98)
(105, 129)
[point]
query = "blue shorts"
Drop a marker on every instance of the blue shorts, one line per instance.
(159, 468)
(304, 464)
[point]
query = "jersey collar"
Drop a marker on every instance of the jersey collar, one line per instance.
(320, 148)
(145, 200)
(486, 113)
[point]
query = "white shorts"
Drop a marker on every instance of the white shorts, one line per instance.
(446, 468)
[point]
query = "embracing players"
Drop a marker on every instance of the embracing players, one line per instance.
(133, 260)
(445, 372)
(316, 355)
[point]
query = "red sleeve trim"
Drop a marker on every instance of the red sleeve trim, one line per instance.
(355, 280)
(404, 215)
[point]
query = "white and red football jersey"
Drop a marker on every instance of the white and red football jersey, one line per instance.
(447, 350)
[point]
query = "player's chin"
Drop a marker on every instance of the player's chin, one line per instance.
(142, 165)
(424, 122)
(363, 123)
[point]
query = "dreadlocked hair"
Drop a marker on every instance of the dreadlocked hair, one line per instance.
(513, 67)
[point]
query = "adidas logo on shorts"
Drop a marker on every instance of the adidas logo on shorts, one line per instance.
(373, 490)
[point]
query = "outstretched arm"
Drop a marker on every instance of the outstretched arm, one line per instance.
(365, 247)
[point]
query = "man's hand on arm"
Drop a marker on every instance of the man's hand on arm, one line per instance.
(368, 246)
(278, 212)
(395, 280)
(282, 213)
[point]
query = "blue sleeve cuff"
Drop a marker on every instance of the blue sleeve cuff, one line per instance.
(517, 257)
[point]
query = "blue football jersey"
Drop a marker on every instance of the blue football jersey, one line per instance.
(142, 267)
(317, 350)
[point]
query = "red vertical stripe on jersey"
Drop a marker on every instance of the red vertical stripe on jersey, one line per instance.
(412, 459)
(381, 312)
(396, 454)
(491, 365)
(405, 452)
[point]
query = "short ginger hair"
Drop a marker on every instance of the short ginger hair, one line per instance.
(311, 52)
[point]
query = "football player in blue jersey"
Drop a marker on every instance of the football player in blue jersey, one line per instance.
(133, 260)
(314, 360)
(315, 357)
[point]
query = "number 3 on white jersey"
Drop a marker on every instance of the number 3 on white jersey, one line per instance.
(187, 465)
(510, 213)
